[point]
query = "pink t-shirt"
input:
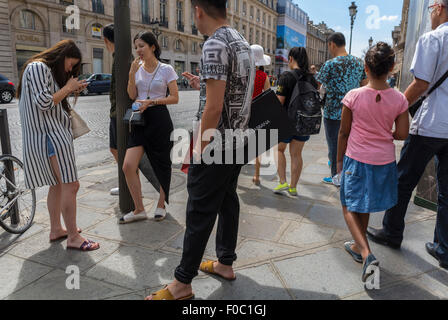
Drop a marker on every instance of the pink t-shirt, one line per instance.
(371, 139)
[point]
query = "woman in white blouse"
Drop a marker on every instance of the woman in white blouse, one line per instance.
(149, 80)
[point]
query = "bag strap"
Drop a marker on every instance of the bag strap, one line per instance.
(438, 83)
(150, 84)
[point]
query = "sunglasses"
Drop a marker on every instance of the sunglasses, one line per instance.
(431, 8)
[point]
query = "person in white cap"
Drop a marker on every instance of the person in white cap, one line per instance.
(261, 84)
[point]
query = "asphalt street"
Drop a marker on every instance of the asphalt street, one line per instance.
(94, 109)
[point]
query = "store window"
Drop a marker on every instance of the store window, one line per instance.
(27, 20)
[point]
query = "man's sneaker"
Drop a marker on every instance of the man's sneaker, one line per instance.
(327, 180)
(292, 192)
(131, 217)
(115, 191)
(159, 214)
(281, 187)
(432, 250)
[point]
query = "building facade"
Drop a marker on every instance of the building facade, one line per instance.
(316, 43)
(256, 20)
(6, 53)
(399, 40)
(291, 32)
(39, 24)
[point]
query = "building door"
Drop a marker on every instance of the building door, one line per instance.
(179, 67)
(97, 60)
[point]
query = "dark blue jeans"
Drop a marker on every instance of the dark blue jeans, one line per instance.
(415, 155)
(332, 134)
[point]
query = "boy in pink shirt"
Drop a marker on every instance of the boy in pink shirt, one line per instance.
(366, 151)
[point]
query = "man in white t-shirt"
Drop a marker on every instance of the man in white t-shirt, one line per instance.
(428, 138)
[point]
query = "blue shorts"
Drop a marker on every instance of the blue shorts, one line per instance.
(367, 188)
(298, 138)
(50, 148)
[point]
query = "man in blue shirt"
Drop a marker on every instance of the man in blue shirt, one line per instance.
(339, 75)
(428, 138)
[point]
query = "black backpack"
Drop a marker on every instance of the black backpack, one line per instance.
(305, 107)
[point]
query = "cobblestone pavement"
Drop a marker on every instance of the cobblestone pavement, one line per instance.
(288, 248)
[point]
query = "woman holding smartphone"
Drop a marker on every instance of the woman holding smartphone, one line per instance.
(149, 80)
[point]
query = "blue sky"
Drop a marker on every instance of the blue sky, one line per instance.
(376, 19)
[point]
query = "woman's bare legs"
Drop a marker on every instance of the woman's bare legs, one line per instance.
(130, 169)
(161, 203)
(256, 178)
(66, 191)
(281, 162)
(295, 148)
(357, 224)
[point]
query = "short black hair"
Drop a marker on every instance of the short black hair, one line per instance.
(380, 59)
(108, 32)
(214, 8)
(338, 39)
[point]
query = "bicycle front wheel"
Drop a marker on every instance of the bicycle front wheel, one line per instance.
(17, 203)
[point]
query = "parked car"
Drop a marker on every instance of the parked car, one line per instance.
(7, 90)
(98, 83)
(84, 76)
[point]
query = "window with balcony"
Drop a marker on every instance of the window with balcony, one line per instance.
(194, 47)
(251, 12)
(194, 29)
(257, 37)
(164, 42)
(244, 9)
(64, 26)
(251, 32)
(178, 45)
(236, 6)
(145, 12)
(97, 6)
(180, 14)
(163, 19)
(264, 18)
(244, 31)
(27, 20)
(258, 15)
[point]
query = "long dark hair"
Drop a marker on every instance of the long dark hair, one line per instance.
(300, 56)
(151, 40)
(54, 58)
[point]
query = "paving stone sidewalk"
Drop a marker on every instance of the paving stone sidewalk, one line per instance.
(288, 248)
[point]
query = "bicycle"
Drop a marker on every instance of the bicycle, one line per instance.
(17, 203)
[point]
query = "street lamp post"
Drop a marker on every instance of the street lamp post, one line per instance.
(370, 42)
(353, 9)
(155, 28)
(123, 59)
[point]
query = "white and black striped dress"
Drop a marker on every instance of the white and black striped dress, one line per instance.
(41, 118)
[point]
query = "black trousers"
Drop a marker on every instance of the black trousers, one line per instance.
(211, 193)
(415, 155)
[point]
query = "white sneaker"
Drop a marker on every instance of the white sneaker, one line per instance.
(159, 214)
(115, 191)
(131, 217)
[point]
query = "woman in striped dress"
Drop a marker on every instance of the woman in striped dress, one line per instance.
(47, 80)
